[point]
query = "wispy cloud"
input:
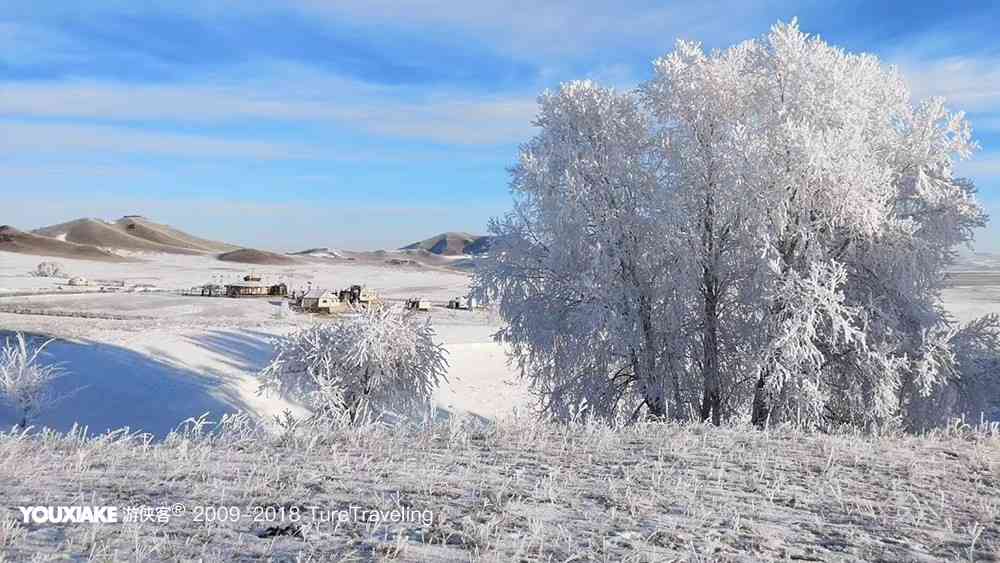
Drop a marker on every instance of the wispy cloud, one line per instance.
(438, 117)
(47, 138)
(970, 83)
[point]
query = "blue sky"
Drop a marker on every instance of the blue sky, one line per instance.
(372, 123)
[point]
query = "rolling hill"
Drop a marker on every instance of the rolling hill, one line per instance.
(14, 240)
(132, 233)
(452, 244)
(140, 227)
(261, 257)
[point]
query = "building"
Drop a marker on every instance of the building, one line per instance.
(463, 302)
(318, 299)
(418, 304)
(252, 286)
(360, 295)
(247, 289)
(212, 290)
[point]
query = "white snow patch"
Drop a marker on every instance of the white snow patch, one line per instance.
(177, 356)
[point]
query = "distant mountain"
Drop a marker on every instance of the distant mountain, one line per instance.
(13, 240)
(260, 257)
(452, 244)
(141, 227)
(132, 233)
(320, 252)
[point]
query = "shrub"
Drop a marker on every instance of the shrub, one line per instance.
(367, 364)
(49, 270)
(25, 382)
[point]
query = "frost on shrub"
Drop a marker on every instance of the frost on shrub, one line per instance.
(25, 382)
(367, 364)
(49, 270)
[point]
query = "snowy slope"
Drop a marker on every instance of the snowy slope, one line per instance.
(175, 357)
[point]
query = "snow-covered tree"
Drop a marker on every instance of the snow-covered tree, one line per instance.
(366, 364)
(25, 381)
(700, 105)
(760, 233)
(851, 175)
(577, 268)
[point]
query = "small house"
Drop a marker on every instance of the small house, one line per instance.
(319, 300)
(247, 289)
(359, 295)
(418, 304)
(252, 286)
(463, 302)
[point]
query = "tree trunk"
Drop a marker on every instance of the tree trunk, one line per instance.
(678, 413)
(657, 408)
(711, 401)
(711, 398)
(646, 366)
(761, 406)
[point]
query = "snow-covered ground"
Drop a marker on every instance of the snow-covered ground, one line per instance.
(150, 360)
(515, 490)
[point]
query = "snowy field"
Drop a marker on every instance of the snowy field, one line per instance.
(495, 486)
(149, 360)
(973, 294)
(515, 491)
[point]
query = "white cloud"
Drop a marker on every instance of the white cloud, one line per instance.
(43, 138)
(968, 83)
(446, 117)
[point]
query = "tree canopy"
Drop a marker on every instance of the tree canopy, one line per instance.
(758, 233)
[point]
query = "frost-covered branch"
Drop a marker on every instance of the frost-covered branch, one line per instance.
(367, 364)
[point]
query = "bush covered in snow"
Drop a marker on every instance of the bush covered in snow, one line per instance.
(25, 382)
(366, 364)
(49, 270)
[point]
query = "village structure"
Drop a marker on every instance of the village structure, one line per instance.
(418, 304)
(463, 302)
(318, 299)
(250, 286)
